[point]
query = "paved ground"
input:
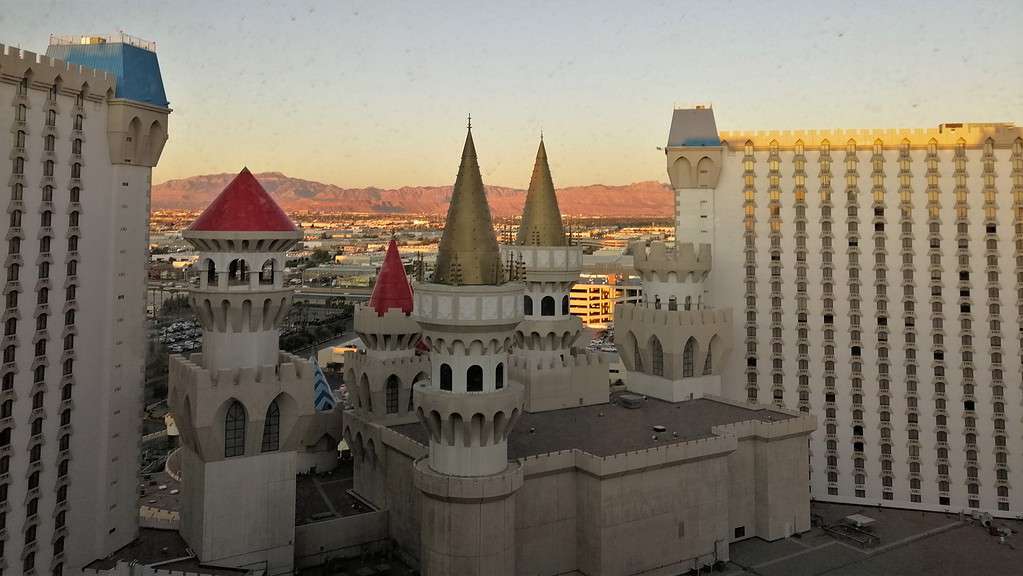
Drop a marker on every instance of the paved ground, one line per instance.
(909, 544)
(322, 496)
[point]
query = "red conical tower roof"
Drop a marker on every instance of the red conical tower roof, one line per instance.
(392, 289)
(244, 206)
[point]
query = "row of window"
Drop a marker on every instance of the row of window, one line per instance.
(18, 168)
(235, 421)
(547, 305)
(18, 195)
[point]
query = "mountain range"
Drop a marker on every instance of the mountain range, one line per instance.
(638, 200)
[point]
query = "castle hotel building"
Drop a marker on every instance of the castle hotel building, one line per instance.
(82, 135)
(877, 280)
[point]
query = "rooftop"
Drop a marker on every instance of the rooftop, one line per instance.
(693, 127)
(908, 543)
(164, 547)
(321, 497)
(132, 60)
(243, 206)
(392, 289)
(608, 429)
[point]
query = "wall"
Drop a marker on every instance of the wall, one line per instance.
(344, 537)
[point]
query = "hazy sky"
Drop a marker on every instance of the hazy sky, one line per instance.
(376, 93)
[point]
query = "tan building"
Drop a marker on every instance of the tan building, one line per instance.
(877, 281)
(593, 298)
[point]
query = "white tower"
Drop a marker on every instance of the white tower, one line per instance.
(555, 375)
(468, 314)
(380, 377)
(674, 343)
(242, 406)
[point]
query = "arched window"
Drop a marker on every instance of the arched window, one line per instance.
(14, 245)
(392, 388)
(637, 354)
(72, 268)
(37, 400)
(656, 356)
(44, 270)
(72, 244)
(13, 272)
(41, 347)
(68, 366)
(78, 122)
(547, 306)
(9, 354)
(46, 219)
(15, 219)
(266, 273)
(48, 168)
(76, 194)
(5, 437)
(564, 305)
(72, 219)
(8, 382)
(22, 113)
(69, 317)
(211, 272)
(76, 170)
(708, 364)
(44, 244)
(527, 305)
(499, 376)
(474, 379)
(234, 430)
(76, 146)
(238, 272)
(11, 327)
(17, 191)
(689, 358)
(39, 375)
(272, 428)
(19, 165)
(69, 342)
(71, 292)
(51, 117)
(41, 321)
(49, 143)
(7, 408)
(19, 139)
(445, 377)
(12, 299)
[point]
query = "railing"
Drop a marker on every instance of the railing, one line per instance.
(119, 38)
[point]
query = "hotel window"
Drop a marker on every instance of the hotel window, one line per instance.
(44, 270)
(41, 322)
(76, 146)
(47, 193)
(76, 170)
(78, 122)
(69, 317)
(41, 347)
(44, 244)
(49, 143)
(75, 194)
(22, 114)
(51, 117)
(46, 219)
(14, 245)
(19, 165)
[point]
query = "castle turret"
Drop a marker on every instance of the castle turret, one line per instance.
(380, 376)
(468, 314)
(242, 407)
(554, 374)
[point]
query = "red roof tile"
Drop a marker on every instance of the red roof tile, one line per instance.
(243, 206)
(392, 289)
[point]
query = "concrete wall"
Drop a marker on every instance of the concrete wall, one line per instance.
(345, 537)
(225, 529)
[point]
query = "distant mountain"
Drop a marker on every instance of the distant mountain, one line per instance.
(642, 199)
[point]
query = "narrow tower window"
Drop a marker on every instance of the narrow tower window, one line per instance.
(272, 428)
(689, 358)
(393, 387)
(234, 430)
(474, 379)
(445, 377)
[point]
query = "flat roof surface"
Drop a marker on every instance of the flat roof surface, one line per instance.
(154, 545)
(607, 429)
(909, 543)
(326, 496)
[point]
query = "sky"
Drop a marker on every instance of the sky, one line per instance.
(376, 93)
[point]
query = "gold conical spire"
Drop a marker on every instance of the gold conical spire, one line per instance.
(541, 218)
(468, 252)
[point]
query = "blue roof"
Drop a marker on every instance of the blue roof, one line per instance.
(137, 70)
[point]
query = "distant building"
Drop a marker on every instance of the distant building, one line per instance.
(877, 281)
(593, 298)
(86, 124)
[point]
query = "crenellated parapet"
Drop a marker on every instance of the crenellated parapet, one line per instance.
(555, 335)
(199, 399)
(566, 380)
(684, 263)
(44, 72)
(392, 331)
(242, 311)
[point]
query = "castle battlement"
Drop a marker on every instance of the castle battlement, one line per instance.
(399, 363)
(945, 135)
(663, 317)
(656, 259)
(290, 369)
(14, 62)
(576, 360)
